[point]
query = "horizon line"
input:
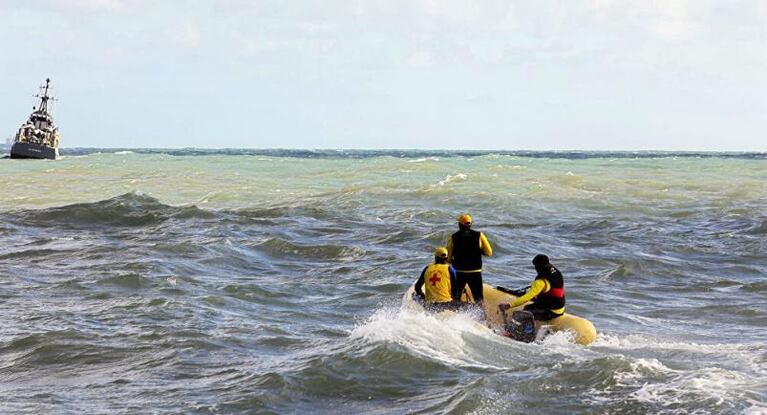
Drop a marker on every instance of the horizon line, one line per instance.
(416, 150)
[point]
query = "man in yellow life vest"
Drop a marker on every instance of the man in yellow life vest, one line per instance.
(439, 279)
(465, 250)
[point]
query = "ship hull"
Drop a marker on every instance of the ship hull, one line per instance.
(33, 151)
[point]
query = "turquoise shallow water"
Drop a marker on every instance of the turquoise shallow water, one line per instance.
(270, 282)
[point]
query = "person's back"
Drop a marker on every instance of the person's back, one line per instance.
(466, 248)
(438, 279)
(437, 283)
(467, 254)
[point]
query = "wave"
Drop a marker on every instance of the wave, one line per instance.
(127, 210)
(135, 210)
(266, 213)
(423, 159)
(130, 281)
(411, 356)
(428, 336)
(418, 155)
(682, 381)
(451, 178)
(282, 248)
(625, 372)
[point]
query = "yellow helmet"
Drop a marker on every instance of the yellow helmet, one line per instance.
(464, 219)
(441, 252)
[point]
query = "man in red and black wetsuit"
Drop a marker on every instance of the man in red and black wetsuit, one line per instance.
(465, 249)
(547, 292)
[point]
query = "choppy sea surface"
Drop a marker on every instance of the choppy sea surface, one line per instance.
(195, 281)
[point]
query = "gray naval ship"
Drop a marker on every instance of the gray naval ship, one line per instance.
(37, 138)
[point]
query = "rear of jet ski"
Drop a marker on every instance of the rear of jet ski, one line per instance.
(583, 330)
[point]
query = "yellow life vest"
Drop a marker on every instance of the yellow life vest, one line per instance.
(436, 280)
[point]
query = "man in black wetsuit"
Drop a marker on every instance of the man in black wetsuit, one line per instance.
(547, 292)
(466, 248)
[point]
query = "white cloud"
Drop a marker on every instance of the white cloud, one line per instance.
(762, 9)
(420, 59)
(95, 5)
(185, 36)
(72, 5)
(597, 58)
(668, 20)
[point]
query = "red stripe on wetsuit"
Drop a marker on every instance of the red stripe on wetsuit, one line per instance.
(556, 292)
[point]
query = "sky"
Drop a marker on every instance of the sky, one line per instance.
(391, 74)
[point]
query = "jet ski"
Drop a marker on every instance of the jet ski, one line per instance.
(517, 323)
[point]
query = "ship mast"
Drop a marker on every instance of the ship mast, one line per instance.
(44, 98)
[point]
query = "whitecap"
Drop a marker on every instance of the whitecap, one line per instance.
(449, 178)
(421, 160)
(434, 336)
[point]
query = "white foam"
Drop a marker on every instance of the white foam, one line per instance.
(660, 372)
(559, 338)
(436, 336)
(719, 385)
(495, 403)
(449, 178)
(746, 356)
(640, 370)
(733, 372)
(638, 342)
(421, 160)
(757, 408)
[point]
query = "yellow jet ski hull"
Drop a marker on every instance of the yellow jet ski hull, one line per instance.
(582, 329)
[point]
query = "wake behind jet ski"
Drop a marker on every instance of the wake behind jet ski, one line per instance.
(582, 329)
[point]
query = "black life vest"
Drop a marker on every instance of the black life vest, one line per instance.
(554, 298)
(467, 256)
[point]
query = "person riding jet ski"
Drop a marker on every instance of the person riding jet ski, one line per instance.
(439, 279)
(547, 292)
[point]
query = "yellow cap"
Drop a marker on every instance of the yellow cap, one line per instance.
(440, 252)
(464, 219)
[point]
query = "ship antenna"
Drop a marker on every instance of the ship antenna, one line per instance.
(44, 98)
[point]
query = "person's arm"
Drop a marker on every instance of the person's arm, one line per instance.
(538, 286)
(419, 284)
(450, 249)
(484, 245)
(517, 292)
(453, 283)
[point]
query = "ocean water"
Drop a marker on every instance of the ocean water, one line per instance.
(192, 281)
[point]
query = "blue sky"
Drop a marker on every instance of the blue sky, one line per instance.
(427, 74)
